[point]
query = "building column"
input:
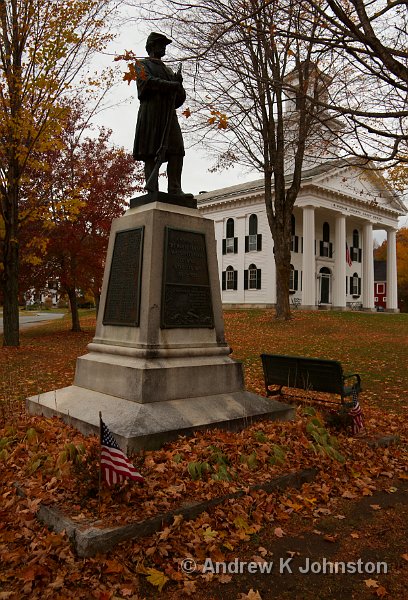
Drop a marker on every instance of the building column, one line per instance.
(368, 267)
(240, 222)
(392, 290)
(309, 260)
(218, 232)
(339, 278)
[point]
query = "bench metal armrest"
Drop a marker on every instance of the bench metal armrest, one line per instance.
(357, 376)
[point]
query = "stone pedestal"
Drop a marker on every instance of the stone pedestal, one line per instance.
(159, 364)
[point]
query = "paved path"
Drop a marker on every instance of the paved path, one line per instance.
(30, 320)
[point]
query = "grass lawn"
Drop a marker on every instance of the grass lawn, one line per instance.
(357, 506)
(374, 345)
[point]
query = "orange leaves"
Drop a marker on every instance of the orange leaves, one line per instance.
(218, 118)
(135, 68)
(251, 595)
(252, 524)
(130, 75)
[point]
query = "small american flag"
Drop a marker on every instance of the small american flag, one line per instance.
(115, 465)
(348, 256)
(356, 414)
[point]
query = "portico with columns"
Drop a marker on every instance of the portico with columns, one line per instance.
(338, 210)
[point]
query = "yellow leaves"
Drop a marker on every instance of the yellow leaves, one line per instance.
(156, 578)
(295, 506)
(244, 530)
(209, 535)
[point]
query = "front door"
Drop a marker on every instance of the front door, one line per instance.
(325, 285)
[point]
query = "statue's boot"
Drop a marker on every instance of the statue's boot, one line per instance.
(174, 169)
(148, 168)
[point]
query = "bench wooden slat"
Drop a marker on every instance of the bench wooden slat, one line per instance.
(311, 374)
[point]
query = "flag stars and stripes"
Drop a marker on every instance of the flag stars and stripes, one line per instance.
(348, 256)
(115, 465)
(356, 414)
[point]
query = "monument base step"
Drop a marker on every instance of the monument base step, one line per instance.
(149, 426)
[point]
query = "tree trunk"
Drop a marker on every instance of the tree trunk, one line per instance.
(74, 309)
(11, 336)
(282, 263)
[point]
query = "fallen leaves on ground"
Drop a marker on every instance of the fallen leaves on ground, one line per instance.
(54, 464)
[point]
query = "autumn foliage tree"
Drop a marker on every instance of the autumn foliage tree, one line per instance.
(380, 253)
(45, 45)
(84, 188)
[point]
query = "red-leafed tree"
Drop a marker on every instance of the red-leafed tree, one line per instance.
(85, 186)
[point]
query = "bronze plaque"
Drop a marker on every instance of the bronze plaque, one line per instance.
(186, 298)
(122, 305)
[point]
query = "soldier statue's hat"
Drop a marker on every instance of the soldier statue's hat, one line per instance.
(157, 37)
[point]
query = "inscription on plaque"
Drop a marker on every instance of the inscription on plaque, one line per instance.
(186, 286)
(123, 297)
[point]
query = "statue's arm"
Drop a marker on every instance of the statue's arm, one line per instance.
(147, 82)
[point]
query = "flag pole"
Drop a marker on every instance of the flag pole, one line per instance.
(100, 465)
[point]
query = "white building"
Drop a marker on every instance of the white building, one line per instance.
(338, 208)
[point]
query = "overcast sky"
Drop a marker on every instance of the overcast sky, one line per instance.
(122, 120)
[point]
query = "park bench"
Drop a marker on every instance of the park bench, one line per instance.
(296, 302)
(310, 374)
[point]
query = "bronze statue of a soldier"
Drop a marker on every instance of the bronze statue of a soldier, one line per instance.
(158, 135)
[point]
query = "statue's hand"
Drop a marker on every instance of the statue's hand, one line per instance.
(174, 85)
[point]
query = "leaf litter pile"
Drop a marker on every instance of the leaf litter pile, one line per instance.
(55, 465)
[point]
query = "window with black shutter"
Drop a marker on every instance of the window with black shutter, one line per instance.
(230, 279)
(294, 243)
(355, 285)
(252, 278)
(253, 241)
(293, 279)
(230, 243)
(326, 247)
(355, 250)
